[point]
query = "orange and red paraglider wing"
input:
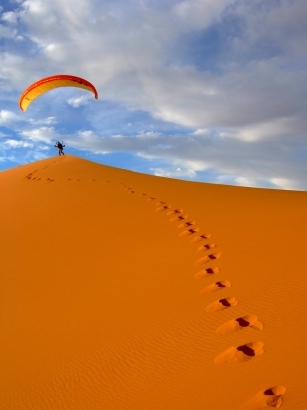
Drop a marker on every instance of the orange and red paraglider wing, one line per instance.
(46, 84)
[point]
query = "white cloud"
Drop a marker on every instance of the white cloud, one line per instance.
(201, 132)
(78, 101)
(18, 144)
(177, 173)
(7, 117)
(9, 17)
(284, 183)
(268, 130)
(198, 14)
(282, 24)
(46, 121)
(44, 134)
(14, 70)
(6, 32)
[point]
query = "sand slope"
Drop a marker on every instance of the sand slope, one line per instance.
(126, 291)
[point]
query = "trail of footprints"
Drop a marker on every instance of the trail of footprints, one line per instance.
(271, 397)
(30, 177)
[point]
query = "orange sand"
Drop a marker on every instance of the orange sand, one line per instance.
(127, 291)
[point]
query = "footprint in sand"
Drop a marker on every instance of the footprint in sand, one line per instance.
(201, 238)
(163, 208)
(208, 258)
(186, 224)
(206, 247)
(179, 218)
(221, 304)
(152, 198)
(206, 272)
(189, 232)
(48, 180)
(240, 323)
(29, 176)
(161, 203)
(272, 397)
(175, 211)
(216, 286)
(240, 354)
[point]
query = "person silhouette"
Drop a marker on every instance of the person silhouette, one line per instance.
(60, 147)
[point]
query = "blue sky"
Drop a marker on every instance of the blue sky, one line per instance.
(202, 90)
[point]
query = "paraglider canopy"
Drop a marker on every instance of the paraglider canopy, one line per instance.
(48, 83)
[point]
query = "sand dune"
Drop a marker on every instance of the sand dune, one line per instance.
(127, 291)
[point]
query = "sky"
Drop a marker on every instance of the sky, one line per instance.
(201, 90)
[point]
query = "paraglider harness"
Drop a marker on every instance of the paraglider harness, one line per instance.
(60, 147)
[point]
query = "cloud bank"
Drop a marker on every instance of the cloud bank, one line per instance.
(213, 90)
